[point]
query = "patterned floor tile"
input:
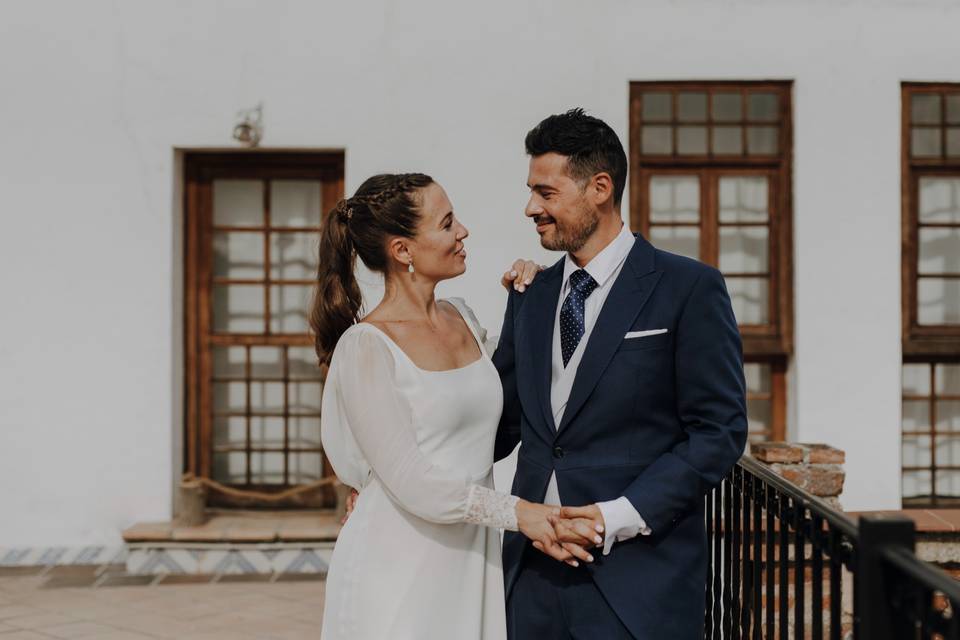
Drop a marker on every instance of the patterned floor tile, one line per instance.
(235, 610)
(79, 630)
(125, 581)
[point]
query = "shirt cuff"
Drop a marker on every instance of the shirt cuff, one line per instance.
(621, 522)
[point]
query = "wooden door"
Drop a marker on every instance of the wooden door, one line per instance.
(253, 386)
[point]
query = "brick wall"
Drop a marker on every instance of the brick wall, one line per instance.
(816, 468)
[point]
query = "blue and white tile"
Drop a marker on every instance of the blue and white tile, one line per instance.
(229, 559)
(53, 556)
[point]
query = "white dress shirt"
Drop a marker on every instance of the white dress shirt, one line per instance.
(621, 519)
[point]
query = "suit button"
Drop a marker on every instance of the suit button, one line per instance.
(557, 452)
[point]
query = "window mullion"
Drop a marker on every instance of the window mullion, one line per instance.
(774, 257)
(266, 257)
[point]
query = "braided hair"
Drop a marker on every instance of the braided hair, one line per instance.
(384, 205)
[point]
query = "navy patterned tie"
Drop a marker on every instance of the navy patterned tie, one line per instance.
(571, 313)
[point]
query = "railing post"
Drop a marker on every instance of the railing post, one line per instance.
(873, 617)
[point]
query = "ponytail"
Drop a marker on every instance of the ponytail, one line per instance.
(337, 300)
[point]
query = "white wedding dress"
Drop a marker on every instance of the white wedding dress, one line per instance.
(419, 558)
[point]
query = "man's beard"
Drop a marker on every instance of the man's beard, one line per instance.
(573, 235)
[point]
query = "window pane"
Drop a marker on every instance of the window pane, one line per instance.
(229, 397)
(762, 140)
(692, 107)
(657, 140)
(759, 410)
(238, 202)
(657, 106)
(295, 203)
(925, 143)
(916, 379)
(266, 396)
(727, 107)
(230, 468)
(305, 467)
(238, 308)
(304, 431)
(288, 308)
(674, 199)
(728, 140)
(953, 108)
(948, 450)
(762, 107)
(939, 250)
(916, 483)
(916, 415)
(948, 481)
(293, 255)
(939, 199)
(948, 416)
(743, 199)
(744, 249)
(750, 299)
(938, 301)
(757, 376)
(304, 397)
(266, 468)
(229, 362)
(925, 108)
(230, 431)
(302, 363)
(948, 379)
(953, 141)
(238, 255)
(692, 140)
(266, 362)
(266, 431)
(916, 451)
(759, 420)
(682, 240)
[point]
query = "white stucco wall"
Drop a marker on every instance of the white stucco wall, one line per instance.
(95, 96)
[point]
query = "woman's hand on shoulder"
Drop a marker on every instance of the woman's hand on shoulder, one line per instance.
(351, 502)
(520, 275)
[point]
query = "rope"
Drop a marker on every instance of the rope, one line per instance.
(260, 495)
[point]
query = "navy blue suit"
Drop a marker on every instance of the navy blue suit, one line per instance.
(659, 419)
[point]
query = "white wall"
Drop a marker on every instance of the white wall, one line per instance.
(94, 96)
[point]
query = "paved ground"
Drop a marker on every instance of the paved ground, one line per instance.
(50, 605)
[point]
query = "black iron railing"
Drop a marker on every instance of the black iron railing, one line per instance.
(780, 560)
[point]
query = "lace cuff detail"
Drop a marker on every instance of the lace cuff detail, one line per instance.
(492, 508)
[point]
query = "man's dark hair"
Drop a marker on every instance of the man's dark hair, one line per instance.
(589, 143)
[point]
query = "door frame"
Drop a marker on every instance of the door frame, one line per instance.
(200, 168)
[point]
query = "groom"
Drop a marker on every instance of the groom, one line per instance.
(632, 406)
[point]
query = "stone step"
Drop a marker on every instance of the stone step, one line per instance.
(234, 542)
(242, 527)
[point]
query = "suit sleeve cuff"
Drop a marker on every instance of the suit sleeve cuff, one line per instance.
(621, 522)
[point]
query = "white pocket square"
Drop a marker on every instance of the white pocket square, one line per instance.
(644, 334)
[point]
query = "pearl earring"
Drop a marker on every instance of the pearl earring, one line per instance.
(410, 266)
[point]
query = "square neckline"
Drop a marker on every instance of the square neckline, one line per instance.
(393, 343)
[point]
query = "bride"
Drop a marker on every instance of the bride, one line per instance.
(410, 412)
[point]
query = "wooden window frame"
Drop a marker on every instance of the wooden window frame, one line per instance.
(201, 168)
(929, 345)
(932, 400)
(771, 343)
(935, 341)
(777, 396)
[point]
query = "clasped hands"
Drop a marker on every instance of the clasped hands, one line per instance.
(563, 533)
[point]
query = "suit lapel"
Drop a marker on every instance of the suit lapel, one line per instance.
(626, 299)
(542, 306)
